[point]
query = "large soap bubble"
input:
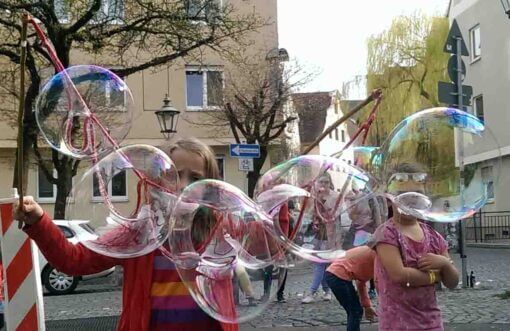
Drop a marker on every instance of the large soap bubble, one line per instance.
(360, 156)
(84, 111)
(224, 246)
(215, 223)
(421, 164)
(326, 190)
(232, 293)
(128, 197)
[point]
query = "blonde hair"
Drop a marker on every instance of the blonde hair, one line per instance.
(204, 220)
(195, 146)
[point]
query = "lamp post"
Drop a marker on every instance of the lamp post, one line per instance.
(506, 6)
(168, 117)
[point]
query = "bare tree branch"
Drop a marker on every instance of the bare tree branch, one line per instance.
(86, 18)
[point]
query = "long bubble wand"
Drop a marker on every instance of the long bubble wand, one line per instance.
(90, 123)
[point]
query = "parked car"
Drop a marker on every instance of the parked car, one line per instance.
(57, 282)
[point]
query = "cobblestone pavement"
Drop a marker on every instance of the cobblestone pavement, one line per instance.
(476, 306)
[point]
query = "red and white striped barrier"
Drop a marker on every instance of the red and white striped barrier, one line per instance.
(24, 310)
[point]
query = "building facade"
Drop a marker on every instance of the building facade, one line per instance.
(485, 29)
(192, 86)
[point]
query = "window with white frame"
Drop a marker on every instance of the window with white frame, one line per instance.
(343, 136)
(202, 9)
(488, 180)
(117, 187)
(476, 43)
(336, 134)
(111, 11)
(220, 159)
(478, 109)
(46, 191)
(204, 88)
(107, 92)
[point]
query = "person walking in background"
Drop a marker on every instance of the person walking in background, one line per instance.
(323, 235)
(357, 265)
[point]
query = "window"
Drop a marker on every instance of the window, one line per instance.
(46, 191)
(336, 134)
(117, 187)
(478, 111)
(476, 44)
(330, 134)
(221, 165)
(68, 233)
(488, 180)
(204, 89)
(202, 9)
(112, 94)
(111, 11)
(343, 136)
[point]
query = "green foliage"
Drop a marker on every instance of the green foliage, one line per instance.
(406, 61)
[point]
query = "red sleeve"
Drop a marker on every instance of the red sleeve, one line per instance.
(60, 253)
(284, 219)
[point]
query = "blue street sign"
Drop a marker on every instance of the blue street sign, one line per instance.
(245, 151)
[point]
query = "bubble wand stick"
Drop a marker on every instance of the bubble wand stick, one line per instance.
(375, 95)
(23, 57)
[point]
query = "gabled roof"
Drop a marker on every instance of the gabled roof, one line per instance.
(312, 111)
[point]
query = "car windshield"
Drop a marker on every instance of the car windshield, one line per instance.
(88, 228)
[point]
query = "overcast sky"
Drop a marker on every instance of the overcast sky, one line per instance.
(330, 35)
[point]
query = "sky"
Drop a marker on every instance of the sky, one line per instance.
(329, 36)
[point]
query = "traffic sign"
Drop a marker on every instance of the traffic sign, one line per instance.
(452, 69)
(246, 165)
(451, 42)
(245, 150)
(448, 93)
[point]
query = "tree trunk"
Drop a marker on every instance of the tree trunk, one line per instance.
(64, 182)
(253, 176)
(30, 130)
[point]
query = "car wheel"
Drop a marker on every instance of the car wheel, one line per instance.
(57, 282)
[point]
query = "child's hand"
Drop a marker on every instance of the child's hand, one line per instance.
(370, 314)
(31, 212)
(432, 262)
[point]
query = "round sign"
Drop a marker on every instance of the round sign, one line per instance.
(452, 69)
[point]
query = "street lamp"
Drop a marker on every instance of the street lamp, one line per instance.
(506, 6)
(167, 118)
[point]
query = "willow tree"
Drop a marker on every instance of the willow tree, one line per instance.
(406, 62)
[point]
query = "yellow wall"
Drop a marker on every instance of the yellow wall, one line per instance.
(148, 89)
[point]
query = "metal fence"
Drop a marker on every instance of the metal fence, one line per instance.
(488, 227)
